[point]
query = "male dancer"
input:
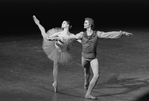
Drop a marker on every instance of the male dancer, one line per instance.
(89, 40)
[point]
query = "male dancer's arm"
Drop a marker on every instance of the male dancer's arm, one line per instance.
(112, 34)
(77, 36)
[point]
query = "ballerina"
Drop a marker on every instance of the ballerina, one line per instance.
(56, 45)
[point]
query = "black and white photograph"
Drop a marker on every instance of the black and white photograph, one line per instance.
(74, 50)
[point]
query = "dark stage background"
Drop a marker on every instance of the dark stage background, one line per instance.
(16, 15)
(26, 72)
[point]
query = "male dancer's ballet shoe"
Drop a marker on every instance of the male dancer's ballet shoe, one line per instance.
(55, 87)
(90, 97)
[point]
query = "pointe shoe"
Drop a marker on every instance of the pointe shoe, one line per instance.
(90, 97)
(55, 87)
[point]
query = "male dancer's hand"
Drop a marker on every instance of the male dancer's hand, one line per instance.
(51, 38)
(126, 33)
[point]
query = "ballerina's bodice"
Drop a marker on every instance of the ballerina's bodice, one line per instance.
(57, 50)
(64, 44)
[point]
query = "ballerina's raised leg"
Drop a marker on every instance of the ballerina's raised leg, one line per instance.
(55, 64)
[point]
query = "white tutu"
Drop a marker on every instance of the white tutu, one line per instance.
(52, 51)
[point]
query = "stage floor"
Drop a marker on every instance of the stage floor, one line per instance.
(26, 72)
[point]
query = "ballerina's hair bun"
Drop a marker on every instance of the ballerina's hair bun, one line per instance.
(70, 26)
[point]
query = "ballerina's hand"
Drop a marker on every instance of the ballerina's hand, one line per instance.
(36, 20)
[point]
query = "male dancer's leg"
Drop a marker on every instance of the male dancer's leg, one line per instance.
(87, 72)
(95, 69)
